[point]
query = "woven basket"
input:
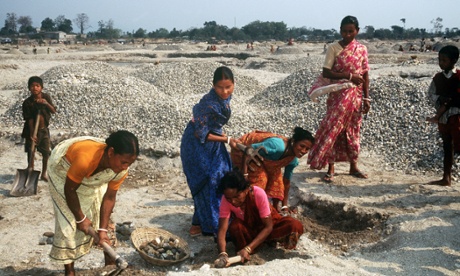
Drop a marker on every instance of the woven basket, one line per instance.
(142, 235)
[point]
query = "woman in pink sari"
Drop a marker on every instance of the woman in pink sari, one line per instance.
(345, 72)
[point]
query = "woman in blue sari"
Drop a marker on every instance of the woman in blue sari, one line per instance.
(204, 156)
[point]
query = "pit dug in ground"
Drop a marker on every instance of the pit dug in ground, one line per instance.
(339, 226)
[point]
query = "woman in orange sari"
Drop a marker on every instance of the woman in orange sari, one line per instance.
(337, 138)
(280, 152)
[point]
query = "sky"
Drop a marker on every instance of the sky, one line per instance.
(151, 15)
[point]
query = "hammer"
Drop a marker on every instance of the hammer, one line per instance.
(221, 263)
(119, 261)
(253, 154)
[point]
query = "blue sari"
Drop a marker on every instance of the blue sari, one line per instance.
(204, 162)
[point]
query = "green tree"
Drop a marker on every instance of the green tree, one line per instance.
(101, 25)
(383, 34)
(258, 30)
(212, 29)
(403, 20)
(11, 25)
(369, 31)
(437, 25)
(48, 25)
(26, 24)
(82, 22)
(161, 33)
(107, 30)
(63, 24)
(140, 33)
(398, 31)
(195, 33)
(175, 33)
(66, 26)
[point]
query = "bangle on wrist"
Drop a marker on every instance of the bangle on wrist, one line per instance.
(102, 230)
(367, 99)
(223, 253)
(351, 76)
(80, 221)
(228, 139)
(248, 249)
(245, 174)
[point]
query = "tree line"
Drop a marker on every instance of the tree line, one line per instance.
(23, 26)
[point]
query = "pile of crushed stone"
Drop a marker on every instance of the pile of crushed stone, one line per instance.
(155, 103)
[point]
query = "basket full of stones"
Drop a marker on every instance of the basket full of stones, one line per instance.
(159, 247)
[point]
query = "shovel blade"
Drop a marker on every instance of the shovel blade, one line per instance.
(25, 183)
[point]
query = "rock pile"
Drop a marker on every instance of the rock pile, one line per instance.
(155, 103)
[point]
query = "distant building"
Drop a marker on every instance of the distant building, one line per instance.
(59, 36)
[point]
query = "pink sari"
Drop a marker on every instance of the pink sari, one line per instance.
(337, 138)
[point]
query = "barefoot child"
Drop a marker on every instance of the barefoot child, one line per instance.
(37, 101)
(443, 89)
(448, 86)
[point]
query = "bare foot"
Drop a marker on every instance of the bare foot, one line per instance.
(44, 177)
(433, 120)
(195, 230)
(442, 182)
(328, 177)
(359, 174)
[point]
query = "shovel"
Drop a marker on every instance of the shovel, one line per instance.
(26, 180)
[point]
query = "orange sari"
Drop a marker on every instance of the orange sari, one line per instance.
(269, 175)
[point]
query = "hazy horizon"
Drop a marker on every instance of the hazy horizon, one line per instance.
(183, 15)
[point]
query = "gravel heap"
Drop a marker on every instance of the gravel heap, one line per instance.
(155, 102)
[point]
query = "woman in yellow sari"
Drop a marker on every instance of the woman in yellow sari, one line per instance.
(85, 175)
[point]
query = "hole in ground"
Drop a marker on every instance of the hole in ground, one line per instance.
(340, 226)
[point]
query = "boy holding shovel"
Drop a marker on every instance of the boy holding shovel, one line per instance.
(38, 103)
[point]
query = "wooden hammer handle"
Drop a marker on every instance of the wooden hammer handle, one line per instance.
(121, 263)
(233, 260)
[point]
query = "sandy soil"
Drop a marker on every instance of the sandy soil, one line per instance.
(390, 224)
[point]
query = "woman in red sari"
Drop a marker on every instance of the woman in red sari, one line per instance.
(250, 219)
(337, 138)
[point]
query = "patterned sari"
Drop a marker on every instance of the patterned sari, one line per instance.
(268, 176)
(205, 162)
(337, 138)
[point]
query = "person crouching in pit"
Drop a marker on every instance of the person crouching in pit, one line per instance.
(250, 219)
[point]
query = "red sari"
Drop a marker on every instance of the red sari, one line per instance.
(337, 138)
(286, 230)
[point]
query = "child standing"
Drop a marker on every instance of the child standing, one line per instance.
(443, 89)
(37, 102)
(450, 95)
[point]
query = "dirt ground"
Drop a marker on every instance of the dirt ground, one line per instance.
(391, 224)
